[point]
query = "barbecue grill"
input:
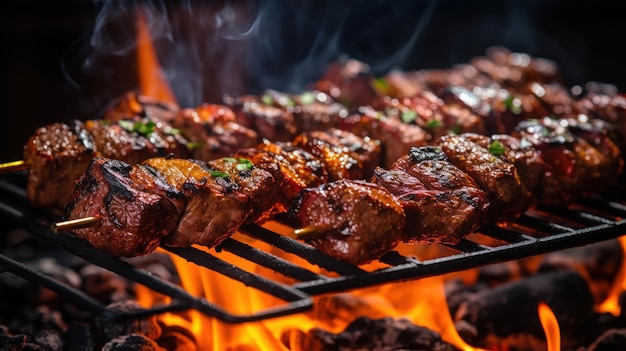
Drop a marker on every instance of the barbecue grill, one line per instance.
(592, 219)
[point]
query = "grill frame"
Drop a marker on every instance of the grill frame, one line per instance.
(593, 219)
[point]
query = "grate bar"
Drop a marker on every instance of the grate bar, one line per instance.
(537, 232)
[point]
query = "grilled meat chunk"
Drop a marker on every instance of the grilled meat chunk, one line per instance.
(349, 83)
(339, 161)
(442, 204)
(134, 218)
(351, 220)
(309, 168)
(213, 132)
(572, 163)
(497, 177)
(133, 106)
(396, 137)
(257, 184)
(58, 154)
(215, 204)
(269, 122)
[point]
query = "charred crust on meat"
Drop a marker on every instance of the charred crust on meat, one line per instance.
(427, 153)
(77, 127)
(117, 188)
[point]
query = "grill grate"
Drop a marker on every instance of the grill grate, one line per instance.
(539, 231)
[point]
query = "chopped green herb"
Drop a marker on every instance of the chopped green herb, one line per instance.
(230, 159)
(434, 124)
(143, 128)
(496, 148)
(456, 129)
(193, 145)
(172, 131)
(409, 116)
(513, 105)
(289, 102)
(268, 100)
(244, 164)
(307, 98)
(218, 174)
(381, 85)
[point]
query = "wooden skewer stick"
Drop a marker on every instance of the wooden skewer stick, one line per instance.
(67, 226)
(13, 166)
(312, 230)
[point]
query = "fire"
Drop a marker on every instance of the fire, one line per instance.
(611, 303)
(151, 80)
(550, 326)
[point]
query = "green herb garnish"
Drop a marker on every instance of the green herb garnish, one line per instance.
(456, 129)
(307, 98)
(434, 124)
(513, 105)
(143, 128)
(381, 85)
(496, 148)
(218, 174)
(409, 116)
(193, 145)
(268, 100)
(172, 131)
(244, 164)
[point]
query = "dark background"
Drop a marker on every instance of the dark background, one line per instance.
(69, 59)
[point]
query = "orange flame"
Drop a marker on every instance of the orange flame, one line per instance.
(550, 326)
(611, 303)
(151, 80)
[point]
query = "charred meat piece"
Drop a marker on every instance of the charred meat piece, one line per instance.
(133, 218)
(442, 204)
(309, 168)
(257, 184)
(133, 106)
(349, 82)
(396, 136)
(340, 162)
(368, 151)
(269, 121)
(571, 161)
(215, 204)
(58, 154)
(608, 107)
(351, 220)
(311, 110)
(212, 131)
(135, 141)
(526, 159)
(497, 177)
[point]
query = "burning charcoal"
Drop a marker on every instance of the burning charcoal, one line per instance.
(80, 337)
(158, 264)
(111, 329)
(599, 263)
(10, 342)
(132, 342)
(506, 317)
(496, 274)
(52, 268)
(104, 285)
(176, 338)
(375, 334)
(458, 292)
(614, 339)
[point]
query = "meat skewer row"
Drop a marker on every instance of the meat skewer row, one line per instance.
(460, 179)
(181, 202)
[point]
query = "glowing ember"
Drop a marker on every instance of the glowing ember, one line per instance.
(611, 303)
(550, 326)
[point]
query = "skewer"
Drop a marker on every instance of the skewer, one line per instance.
(67, 226)
(14, 166)
(312, 230)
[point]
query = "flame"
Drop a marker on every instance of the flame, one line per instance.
(611, 303)
(151, 80)
(550, 326)
(421, 301)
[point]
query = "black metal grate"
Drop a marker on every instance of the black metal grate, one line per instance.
(539, 231)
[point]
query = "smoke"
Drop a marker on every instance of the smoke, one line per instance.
(208, 49)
